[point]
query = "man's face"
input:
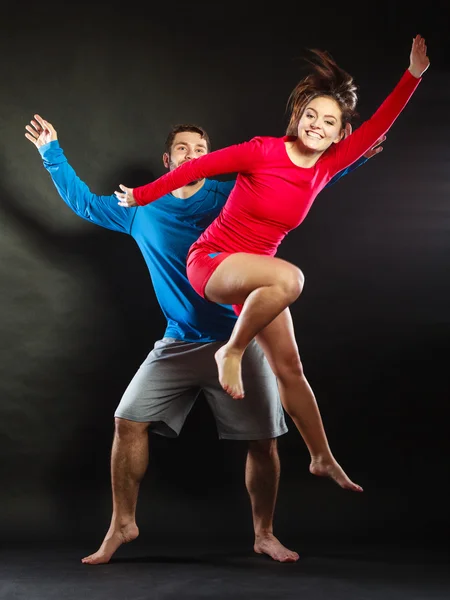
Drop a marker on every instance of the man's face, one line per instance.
(187, 145)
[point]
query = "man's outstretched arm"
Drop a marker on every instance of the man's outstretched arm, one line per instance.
(101, 210)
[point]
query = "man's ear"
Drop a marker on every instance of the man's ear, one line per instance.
(166, 160)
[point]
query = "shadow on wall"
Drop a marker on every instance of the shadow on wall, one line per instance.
(74, 308)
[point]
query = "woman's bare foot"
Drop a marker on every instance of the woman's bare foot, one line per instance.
(332, 469)
(270, 545)
(113, 539)
(229, 366)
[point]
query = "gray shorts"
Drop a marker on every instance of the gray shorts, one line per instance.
(165, 387)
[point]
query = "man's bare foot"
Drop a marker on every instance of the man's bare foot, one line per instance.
(113, 539)
(270, 545)
(330, 468)
(229, 366)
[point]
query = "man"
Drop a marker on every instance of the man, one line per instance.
(182, 364)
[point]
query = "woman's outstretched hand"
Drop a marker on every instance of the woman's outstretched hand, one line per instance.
(418, 59)
(125, 197)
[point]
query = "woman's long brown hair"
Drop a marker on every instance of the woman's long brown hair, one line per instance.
(326, 79)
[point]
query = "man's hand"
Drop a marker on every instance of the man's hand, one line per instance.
(376, 148)
(125, 197)
(40, 132)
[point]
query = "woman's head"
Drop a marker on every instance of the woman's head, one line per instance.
(322, 103)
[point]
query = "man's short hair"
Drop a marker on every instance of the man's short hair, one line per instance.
(181, 129)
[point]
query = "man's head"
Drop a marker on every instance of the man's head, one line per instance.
(185, 142)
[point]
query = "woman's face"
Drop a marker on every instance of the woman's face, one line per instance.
(321, 124)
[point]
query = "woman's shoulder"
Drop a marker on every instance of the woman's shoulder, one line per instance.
(267, 143)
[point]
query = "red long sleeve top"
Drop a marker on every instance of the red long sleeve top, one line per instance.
(272, 195)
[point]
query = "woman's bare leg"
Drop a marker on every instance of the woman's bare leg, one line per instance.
(280, 348)
(265, 286)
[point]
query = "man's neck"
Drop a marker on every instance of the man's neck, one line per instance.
(188, 190)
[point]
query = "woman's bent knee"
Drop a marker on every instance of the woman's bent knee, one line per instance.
(292, 281)
(288, 367)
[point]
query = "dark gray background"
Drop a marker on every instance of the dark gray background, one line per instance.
(78, 313)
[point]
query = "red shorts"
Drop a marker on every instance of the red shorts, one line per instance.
(200, 265)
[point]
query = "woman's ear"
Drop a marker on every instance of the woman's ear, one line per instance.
(343, 134)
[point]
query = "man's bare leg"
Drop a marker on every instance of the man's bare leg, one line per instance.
(129, 460)
(262, 474)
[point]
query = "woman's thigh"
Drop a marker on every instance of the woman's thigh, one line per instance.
(240, 274)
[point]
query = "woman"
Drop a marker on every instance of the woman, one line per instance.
(233, 261)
